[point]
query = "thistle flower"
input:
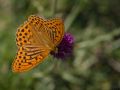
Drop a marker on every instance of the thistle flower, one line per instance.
(65, 48)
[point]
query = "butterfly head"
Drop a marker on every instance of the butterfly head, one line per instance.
(55, 50)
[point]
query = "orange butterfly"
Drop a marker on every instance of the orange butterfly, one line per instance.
(36, 38)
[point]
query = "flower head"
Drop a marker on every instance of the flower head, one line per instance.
(65, 48)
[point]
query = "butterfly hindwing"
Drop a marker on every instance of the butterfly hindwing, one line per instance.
(27, 59)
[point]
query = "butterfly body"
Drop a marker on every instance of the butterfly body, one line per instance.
(35, 39)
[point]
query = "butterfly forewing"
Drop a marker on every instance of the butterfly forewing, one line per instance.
(55, 30)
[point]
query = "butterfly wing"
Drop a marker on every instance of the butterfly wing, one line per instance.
(33, 47)
(24, 32)
(25, 60)
(55, 30)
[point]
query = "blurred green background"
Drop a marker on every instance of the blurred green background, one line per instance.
(95, 25)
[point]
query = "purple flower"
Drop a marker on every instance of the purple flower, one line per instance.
(65, 48)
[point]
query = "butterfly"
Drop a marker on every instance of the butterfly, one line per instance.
(35, 39)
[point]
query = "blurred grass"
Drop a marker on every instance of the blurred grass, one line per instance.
(96, 62)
